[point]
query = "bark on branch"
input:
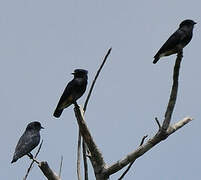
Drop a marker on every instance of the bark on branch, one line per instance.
(96, 156)
(47, 171)
(173, 95)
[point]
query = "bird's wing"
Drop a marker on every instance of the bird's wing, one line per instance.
(27, 142)
(66, 98)
(172, 42)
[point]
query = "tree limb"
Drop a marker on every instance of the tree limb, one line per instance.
(122, 176)
(163, 131)
(173, 95)
(96, 156)
(79, 157)
(85, 107)
(94, 81)
(172, 128)
(85, 160)
(47, 171)
(144, 148)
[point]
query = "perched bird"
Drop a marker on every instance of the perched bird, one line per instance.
(177, 41)
(28, 141)
(73, 91)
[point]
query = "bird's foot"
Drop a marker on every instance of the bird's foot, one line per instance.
(30, 156)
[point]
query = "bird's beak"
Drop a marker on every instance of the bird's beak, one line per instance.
(195, 22)
(42, 127)
(73, 73)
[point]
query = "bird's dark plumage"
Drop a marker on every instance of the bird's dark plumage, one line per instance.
(73, 91)
(28, 141)
(177, 41)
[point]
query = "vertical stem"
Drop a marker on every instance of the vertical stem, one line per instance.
(173, 95)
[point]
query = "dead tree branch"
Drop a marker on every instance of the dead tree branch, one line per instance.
(122, 176)
(172, 128)
(163, 131)
(102, 171)
(85, 160)
(173, 95)
(47, 171)
(79, 157)
(94, 81)
(60, 168)
(144, 148)
(96, 156)
(85, 107)
(158, 123)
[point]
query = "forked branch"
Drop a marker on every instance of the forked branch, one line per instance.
(79, 136)
(103, 171)
(96, 156)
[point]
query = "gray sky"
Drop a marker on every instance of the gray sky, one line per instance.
(42, 42)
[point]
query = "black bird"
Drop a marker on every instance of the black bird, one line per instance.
(73, 91)
(28, 141)
(177, 41)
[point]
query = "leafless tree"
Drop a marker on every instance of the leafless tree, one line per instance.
(90, 149)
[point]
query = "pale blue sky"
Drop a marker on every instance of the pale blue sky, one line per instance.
(42, 42)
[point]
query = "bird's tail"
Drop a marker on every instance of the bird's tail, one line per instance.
(57, 113)
(156, 58)
(14, 160)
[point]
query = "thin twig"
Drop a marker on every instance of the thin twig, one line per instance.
(142, 142)
(157, 121)
(94, 81)
(79, 157)
(124, 173)
(85, 160)
(31, 165)
(60, 168)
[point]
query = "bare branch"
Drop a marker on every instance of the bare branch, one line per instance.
(94, 81)
(163, 132)
(144, 148)
(85, 107)
(122, 176)
(85, 160)
(173, 95)
(31, 165)
(47, 171)
(102, 171)
(79, 156)
(178, 125)
(96, 156)
(60, 168)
